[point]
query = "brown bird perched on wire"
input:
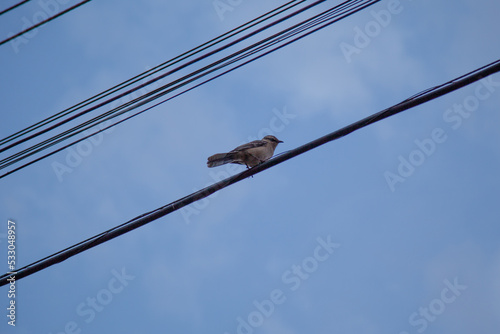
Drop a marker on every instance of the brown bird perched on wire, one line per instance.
(250, 154)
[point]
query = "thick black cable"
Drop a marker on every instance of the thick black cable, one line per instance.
(158, 92)
(142, 76)
(43, 22)
(146, 218)
(14, 6)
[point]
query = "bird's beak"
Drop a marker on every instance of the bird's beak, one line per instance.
(280, 141)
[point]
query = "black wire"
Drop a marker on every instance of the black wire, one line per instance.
(54, 140)
(88, 124)
(13, 7)
(43, 22)
(142, 76)
(159, 93)
(150, 216)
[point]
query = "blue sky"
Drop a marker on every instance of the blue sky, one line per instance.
(322, 243)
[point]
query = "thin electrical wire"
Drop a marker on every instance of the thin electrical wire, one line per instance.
(69, 133)
(177, 59)
(142, 76)
(144, 84)
(43, 22)
(49, 142)
(13, 7)
(53, 140)
(141, 103)
(417, 99)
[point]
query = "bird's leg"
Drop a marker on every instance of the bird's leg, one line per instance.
(249, 168)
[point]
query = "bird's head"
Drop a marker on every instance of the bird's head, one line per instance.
(272, 139)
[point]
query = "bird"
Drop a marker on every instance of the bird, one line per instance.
(250, 154)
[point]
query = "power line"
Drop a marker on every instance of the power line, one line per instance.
(43, 22)
(415, 100)
(304, 28)
(144, 75)
(13, 7)
(163, 75)
(101, 118)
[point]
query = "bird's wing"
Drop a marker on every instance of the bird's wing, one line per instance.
(252, 144)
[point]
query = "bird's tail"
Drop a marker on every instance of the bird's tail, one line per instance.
(220, 159)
